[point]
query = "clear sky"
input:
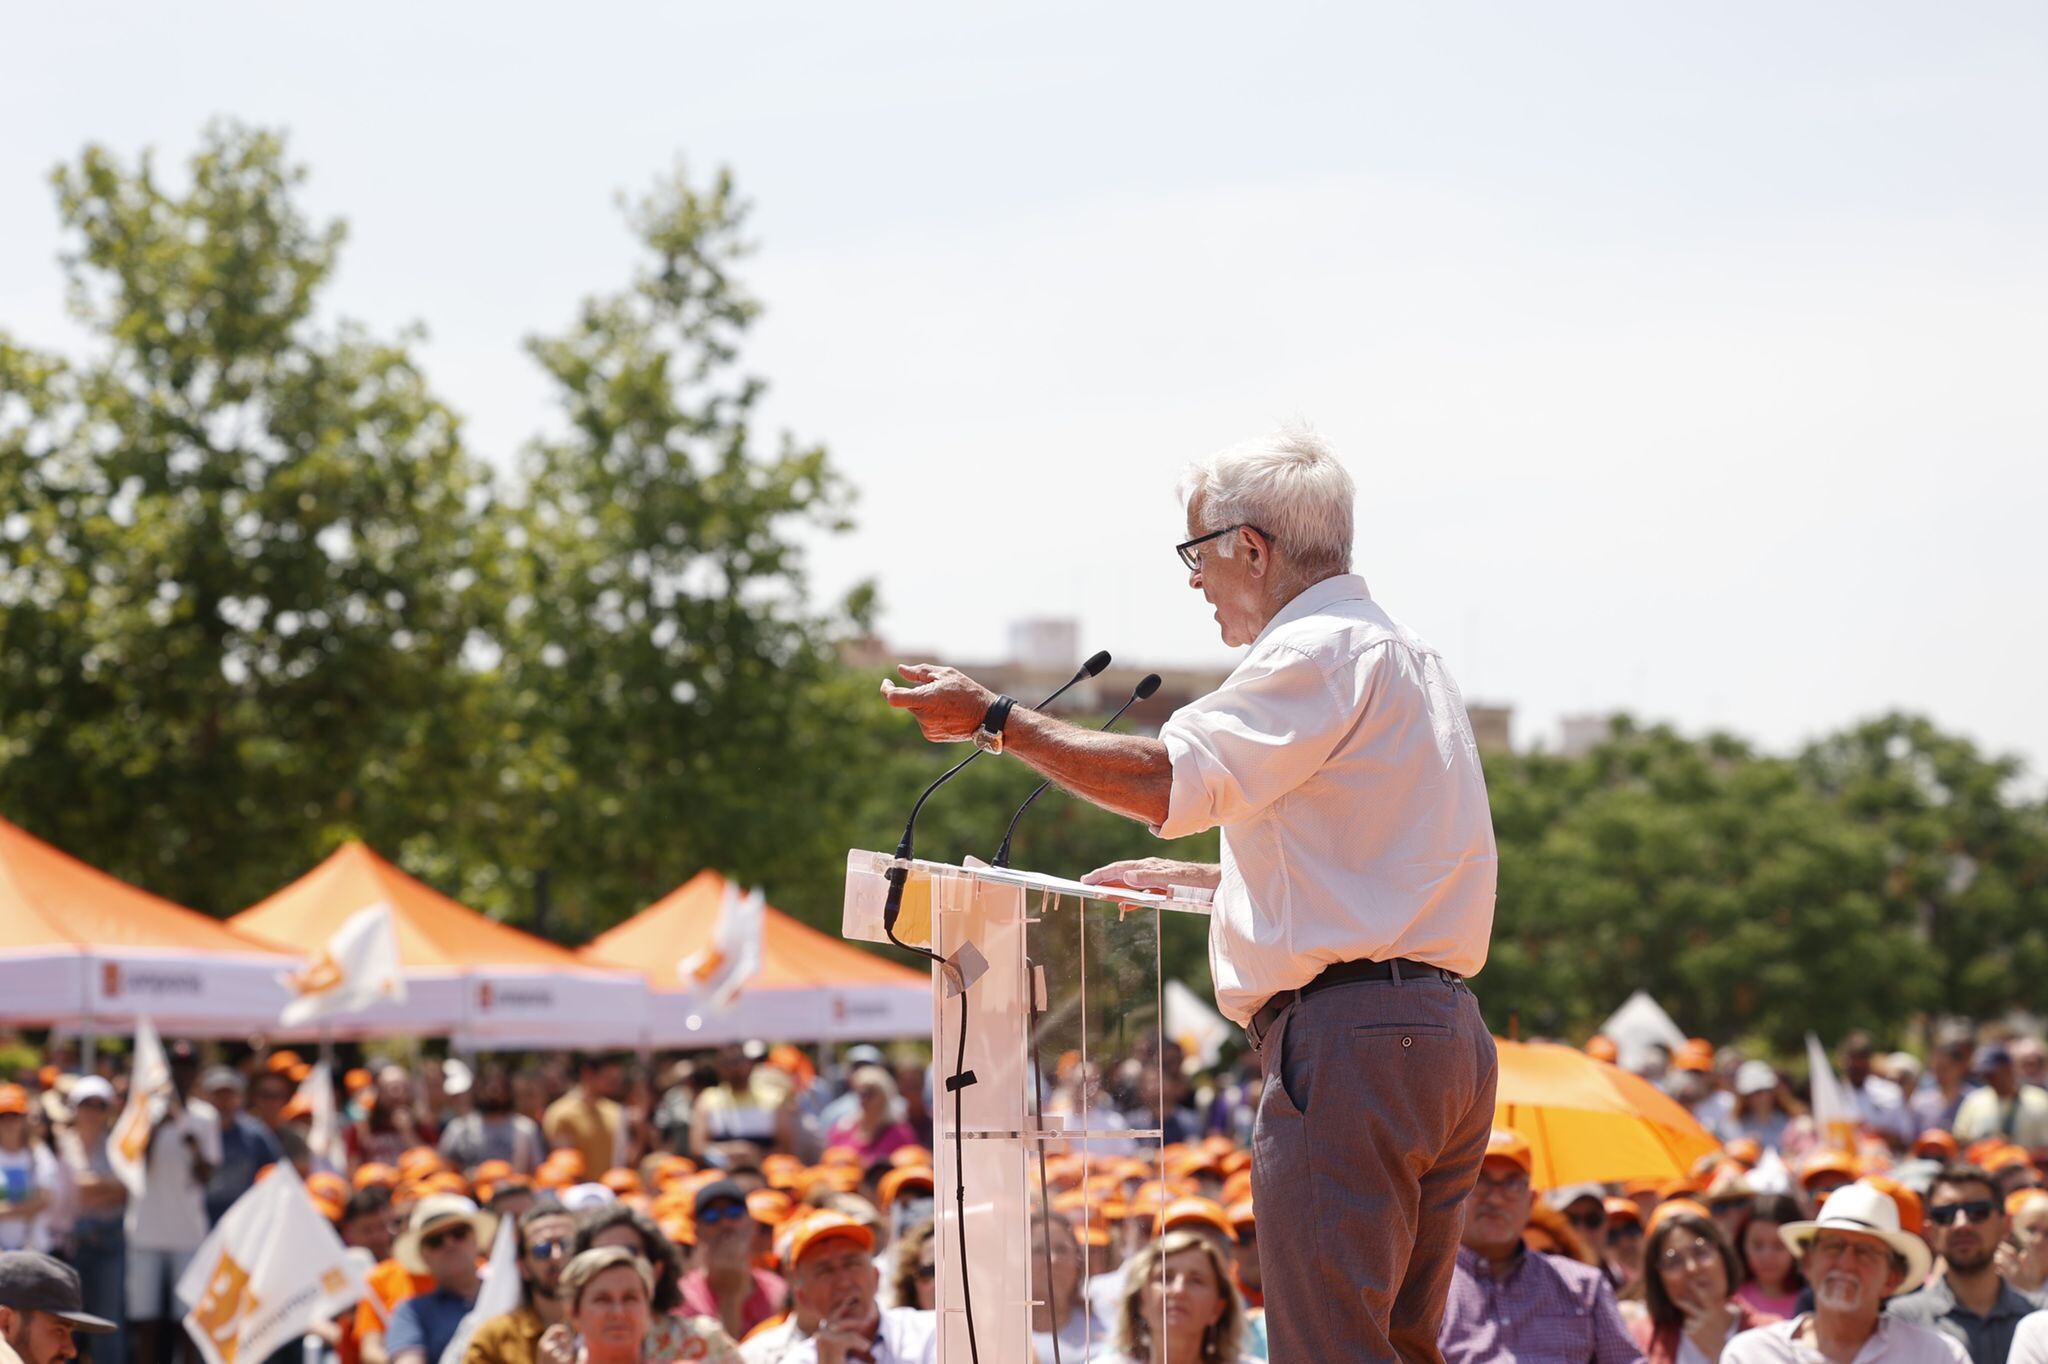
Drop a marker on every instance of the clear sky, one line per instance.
(1690, 358)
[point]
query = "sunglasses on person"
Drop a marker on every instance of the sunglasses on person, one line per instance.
(1974, 1211)
(721, 1212)
(436, 1239)
(554, 1248)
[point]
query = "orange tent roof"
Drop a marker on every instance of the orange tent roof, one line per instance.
(433, 930)
(793, 954)
(49, 898)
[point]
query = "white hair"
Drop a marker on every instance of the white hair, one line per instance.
(1287, 485)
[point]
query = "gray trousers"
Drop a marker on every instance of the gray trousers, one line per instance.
(1372, 1122)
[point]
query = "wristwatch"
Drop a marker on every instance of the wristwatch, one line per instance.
(989, 738)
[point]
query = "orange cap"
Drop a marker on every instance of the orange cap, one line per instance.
(1912, 1212)
(47, 1077)
(1677, 1205)
(837, 1178)
(1622, 1210)
(357, 1080)
(770, 1207)
(567, 1159)
(680, 1228)
(444, 1181)
(490, 1171)
(820, 1228)
(1601, 1048)
(1828, 1162)
(782, 1170)
(905, 1177)
(2007, 1157)
(1748, 1150)
(910, 1155)
(299, 1073)
(328, 1209)
(375, 1172)
(281, 1062)
(1238, 1185)
(1677, 1188)
(13, 1099)
(620, 1180)
(1240, 1214)
(1190, 1212)
(1504, 1143)
(1696, 1054)
(331, 1187)
(2016, 1202)
(419, 1162)
(1936, 1144)
(840, 1155)
(1977, 1150)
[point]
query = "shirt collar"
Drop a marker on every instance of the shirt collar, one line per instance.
(1313, 598)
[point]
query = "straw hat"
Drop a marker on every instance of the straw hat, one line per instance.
(1869, 1211)
(429, 1215)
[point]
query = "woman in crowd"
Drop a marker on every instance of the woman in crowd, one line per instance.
(393, 1126)
(1772, 1282)
(1690, 1273)
(2023, 1259)
(607, 1296)
(913, 1277)
(1178, 1306)
(671, 1334)
(30, 1179)
(1063, 1313)
(876, 1130)
(98, 1245)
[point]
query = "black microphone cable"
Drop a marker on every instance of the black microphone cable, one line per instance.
(1142, 692)
(892, 908)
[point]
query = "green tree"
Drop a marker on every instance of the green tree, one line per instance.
(237, 566)
(1965, 856)
(669, 683)
(1714, 877)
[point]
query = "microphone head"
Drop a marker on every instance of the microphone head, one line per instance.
(1147, 687)
(1094, 666)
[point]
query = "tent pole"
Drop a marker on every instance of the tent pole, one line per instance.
(327, 1047)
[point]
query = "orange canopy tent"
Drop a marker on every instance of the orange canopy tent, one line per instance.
(79, 948)
(811, 987)
(485, 983)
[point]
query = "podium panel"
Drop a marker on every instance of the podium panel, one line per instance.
(1055, 1035)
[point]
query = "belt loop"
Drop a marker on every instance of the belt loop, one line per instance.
(1394, 965)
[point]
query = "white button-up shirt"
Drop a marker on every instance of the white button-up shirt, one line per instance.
(1893, 1342)
(1340, 763)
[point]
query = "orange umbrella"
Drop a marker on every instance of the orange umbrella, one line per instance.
(1588, 1122)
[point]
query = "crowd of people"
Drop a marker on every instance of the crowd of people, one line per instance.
(766, 1204)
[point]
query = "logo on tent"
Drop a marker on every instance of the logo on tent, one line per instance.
(110, 979)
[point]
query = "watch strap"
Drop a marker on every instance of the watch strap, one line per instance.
(998, 715)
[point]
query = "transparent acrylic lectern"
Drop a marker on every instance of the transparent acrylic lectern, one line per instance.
(1069, 1004)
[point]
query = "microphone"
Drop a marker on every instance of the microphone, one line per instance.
(899, 874)
(1144, 690)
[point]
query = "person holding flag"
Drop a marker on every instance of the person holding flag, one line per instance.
(164, 1148)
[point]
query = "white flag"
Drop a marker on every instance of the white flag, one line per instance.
(1199, 1029)
(1834, 1122)
(721, 970)
(502, 1292)
(324, 1136)
(150, 1092)
(356, 970)
(269, 1266)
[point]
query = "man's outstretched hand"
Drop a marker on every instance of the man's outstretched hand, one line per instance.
(1155, 873)
(947, 704)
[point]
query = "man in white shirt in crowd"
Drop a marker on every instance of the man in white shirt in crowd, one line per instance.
(833, 1282)
(1355, 891)
(167, 1222)
(2005, 1106)
(1855, 1257)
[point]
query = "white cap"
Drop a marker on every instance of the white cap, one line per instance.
(456, 1078)
(1755, 1077)
(88, 1087)
(581, 1196)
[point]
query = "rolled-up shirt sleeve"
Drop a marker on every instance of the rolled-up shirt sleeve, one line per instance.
(1271, 725)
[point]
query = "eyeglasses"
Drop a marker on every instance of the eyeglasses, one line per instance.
(721, 1212)
(1863, 1252)
(1700, 1252)
(1186, 548)
(1595, 1220)
(927, 1272)
(1514, 1186)
(1975, 1211)
(552, 1249)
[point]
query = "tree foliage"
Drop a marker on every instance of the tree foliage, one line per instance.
(256, 597)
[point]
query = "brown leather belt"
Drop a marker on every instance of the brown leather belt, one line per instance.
(1342, 973)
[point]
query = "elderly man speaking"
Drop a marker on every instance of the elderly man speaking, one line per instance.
(1355, 892)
